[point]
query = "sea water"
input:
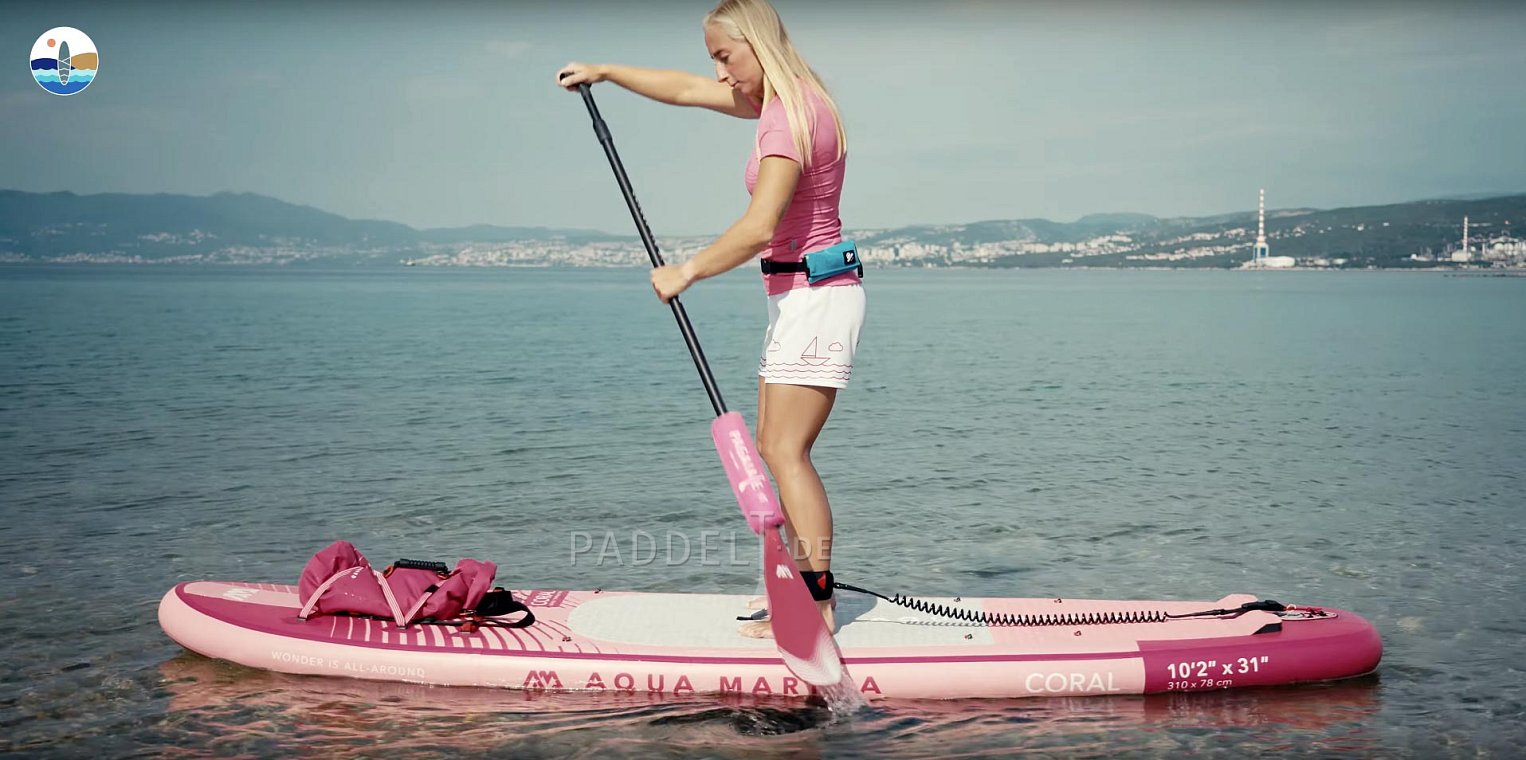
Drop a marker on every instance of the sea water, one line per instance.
(1351, 439)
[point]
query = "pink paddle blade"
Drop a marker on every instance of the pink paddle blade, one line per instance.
(744, 468)
(808, 649)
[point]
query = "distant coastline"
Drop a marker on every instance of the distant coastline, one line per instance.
(252, 230)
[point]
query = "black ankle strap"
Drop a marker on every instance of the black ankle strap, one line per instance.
(820, 583)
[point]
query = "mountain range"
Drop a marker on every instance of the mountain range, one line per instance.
(249, 228)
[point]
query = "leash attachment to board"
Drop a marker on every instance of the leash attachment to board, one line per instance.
(1265, 605)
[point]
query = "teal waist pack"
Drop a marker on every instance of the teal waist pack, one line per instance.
(836, 260)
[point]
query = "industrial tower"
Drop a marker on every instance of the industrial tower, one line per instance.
(1258, 257)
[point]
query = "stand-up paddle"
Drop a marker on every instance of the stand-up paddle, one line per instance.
(804, 642)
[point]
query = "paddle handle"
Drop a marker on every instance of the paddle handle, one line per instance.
(684, 325)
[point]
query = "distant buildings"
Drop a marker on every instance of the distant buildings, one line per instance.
(1489, 249)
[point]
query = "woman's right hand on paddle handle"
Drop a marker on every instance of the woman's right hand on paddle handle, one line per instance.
(574, 74)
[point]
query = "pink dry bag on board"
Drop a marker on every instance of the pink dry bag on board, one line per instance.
(338, 580)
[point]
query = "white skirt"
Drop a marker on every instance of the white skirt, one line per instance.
(812, 335)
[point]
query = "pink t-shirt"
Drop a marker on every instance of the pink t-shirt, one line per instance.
(811, 222)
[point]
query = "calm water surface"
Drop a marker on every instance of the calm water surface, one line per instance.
(1347, 439)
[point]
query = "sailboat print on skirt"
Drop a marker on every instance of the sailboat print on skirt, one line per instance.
(812, 364)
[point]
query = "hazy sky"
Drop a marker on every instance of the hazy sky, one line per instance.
(444, 114)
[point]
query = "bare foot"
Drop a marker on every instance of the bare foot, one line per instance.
(761, 603)
(757, 629)
(764, 629)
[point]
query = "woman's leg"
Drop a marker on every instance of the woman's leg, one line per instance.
(790, 419)
(796, 414)
(791, 537)
(761, 602)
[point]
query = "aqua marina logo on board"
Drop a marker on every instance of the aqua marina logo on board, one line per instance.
(64, 60)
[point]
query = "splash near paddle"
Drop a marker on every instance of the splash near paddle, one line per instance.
(799, 631)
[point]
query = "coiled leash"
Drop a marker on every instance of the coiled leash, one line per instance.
(981, 617)
(1005, 619)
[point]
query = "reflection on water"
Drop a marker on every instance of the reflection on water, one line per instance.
(234, 710)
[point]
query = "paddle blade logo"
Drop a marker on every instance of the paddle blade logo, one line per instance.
(64, 60)
(743, 459)
(744, 468)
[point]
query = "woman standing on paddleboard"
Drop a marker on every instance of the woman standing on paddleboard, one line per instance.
(812, 277)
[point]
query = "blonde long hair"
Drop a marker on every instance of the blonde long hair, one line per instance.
(785, 72)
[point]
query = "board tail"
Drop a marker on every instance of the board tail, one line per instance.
(759, 503)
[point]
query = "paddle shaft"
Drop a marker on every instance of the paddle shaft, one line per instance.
(805, 644)
(684, 325)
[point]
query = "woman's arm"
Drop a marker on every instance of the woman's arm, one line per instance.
(777, 177)
(676, 88)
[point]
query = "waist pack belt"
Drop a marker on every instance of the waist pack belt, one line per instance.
(819, 265)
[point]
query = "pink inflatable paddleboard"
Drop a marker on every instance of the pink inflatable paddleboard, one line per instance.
(682, 644)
